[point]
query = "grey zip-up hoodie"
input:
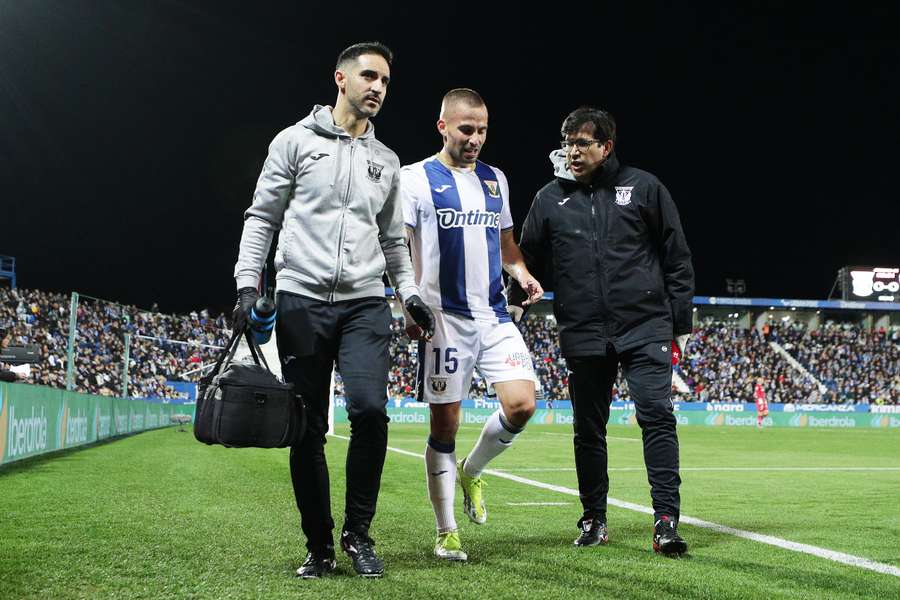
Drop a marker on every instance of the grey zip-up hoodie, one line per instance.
(336, 201)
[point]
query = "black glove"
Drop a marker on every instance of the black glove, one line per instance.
(247, 297)
(421, 314)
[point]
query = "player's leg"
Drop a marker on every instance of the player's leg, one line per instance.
(505, 363)
(590, 389)
(445, 369)
(363, 360)
(648, 370)
(306, 349)
(440, 474)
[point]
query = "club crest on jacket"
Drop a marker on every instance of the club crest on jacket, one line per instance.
(623, 195)
(374, 171)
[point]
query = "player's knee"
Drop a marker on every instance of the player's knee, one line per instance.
(444, 432)
(520, 410)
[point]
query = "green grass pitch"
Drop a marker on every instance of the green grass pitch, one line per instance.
(159, 515)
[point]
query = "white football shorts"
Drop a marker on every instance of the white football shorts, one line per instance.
(458, 346)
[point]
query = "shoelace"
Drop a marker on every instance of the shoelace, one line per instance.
(365, 547)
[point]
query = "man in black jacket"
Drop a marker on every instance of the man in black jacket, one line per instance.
(610, 237)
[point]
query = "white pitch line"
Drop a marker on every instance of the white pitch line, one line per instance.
(538, 503)
(682, 469)
(839, 557)
(609, 437)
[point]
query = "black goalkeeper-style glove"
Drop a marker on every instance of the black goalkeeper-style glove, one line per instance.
(421, 314)
(247, 297)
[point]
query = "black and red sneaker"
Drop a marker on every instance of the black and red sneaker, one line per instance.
(666, 540)
(593, 532)
(361, 550)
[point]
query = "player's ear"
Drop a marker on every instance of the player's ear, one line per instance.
(442, 127)
(340, 80)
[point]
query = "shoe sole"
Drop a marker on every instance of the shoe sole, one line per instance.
(672, 549)
(597, 543)
(324, 573)
(453, 558)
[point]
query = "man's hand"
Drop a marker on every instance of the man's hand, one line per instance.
(678, 346)
(422, 315)
(247, 297)
(533, 288)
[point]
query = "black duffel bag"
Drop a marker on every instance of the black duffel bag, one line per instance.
(244, 405)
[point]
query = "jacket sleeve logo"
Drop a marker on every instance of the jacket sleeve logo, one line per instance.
(374, 173)
(623, 195)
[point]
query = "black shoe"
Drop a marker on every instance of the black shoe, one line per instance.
(361, 549)
(317, 564)
(666, 539)
(593, 532)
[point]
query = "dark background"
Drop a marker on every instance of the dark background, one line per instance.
(132, 133)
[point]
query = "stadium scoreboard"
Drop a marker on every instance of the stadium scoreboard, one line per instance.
(874, 284)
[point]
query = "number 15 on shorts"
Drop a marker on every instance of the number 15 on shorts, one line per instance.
(451, 363)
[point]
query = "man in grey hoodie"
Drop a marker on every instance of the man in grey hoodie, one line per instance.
(331, 190)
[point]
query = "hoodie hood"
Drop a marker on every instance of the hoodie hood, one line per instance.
(321, 121)
(558, 159)
(605, 171)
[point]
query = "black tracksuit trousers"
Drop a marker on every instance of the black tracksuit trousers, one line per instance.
(648, 371)
(312, 335)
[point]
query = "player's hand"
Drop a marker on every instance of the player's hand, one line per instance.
(533, 288)
(421, 314)
(247, 297)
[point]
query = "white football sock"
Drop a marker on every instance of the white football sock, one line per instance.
(440, 473)
(498, 435)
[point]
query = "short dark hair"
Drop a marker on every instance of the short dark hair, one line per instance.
(467, 95)
(357, 50)
(603, 122)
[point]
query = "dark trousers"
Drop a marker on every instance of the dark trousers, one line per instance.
(648, 371)
(312, 335)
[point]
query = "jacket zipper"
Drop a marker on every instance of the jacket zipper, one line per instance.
(596, 239)
(340, 249)
(599, 265)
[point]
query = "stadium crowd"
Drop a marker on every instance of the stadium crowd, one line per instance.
(856, 365)
(721, 363)
(180, 344)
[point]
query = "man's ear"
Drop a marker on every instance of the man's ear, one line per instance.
(607, 148)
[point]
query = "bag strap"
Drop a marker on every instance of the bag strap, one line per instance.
(227, 352)
(256, 351)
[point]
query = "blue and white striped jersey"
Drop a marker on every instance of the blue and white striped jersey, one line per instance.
(457, 215)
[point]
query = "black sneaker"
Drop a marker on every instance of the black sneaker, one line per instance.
(317, 564)
(361, 550)
(666, 539)
(593, 532)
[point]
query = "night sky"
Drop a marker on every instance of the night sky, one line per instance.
(132, 133)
